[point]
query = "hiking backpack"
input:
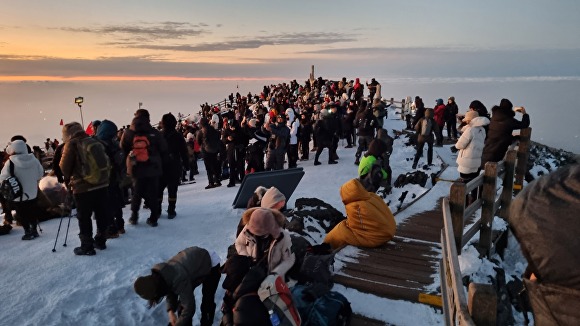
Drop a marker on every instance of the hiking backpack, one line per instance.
(11, 188)
(95, 164)
(141, 148)
(276, 296)
(329, 309)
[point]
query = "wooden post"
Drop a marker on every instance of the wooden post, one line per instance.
(487, 213)
(482, 304)
(457, 206)
(523, 154)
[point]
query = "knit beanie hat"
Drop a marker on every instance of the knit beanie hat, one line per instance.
(146, 287)
(470, 115)
(272, 197)
(70, 129)
(439, 101)
(142, 113)
(262, 222)
(17, 147)
(169, 121)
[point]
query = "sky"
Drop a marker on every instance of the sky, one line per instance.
(173, 56)
(65, 289)
(176, 40)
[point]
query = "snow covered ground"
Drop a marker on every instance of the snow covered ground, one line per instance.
(40, 287)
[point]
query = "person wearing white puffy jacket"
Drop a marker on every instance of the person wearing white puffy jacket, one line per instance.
(28, 170)
(470, 146)
(293, 124)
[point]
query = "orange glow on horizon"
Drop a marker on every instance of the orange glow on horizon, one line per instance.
(130, 78)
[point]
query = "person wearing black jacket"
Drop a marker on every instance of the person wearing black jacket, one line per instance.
(501, 127)
(348, 124)
(366, 123)
(209, 140)
(325, 129)
(107, 135)
(305, 135)
(279, 135)
(450, 116)
(232, 137)
(145, 174)
(178, 160)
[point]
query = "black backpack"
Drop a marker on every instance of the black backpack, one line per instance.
(11, 188)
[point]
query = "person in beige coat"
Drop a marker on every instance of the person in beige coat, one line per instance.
(264, 239)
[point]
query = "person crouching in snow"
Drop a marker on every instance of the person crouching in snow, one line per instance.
(264, 239)
(369, 222)
(28, 170)
(177, 278)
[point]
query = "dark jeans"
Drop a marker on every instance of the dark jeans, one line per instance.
(212, 167)
(420, 145)
(170, 182)
(275, 159)
(146, 189)
(115, 207)
(304, 148)
(26, 212)
(292, 155)
(94, 201)
(208, 289)
(363, 145)
(451, 129)
(350, 137)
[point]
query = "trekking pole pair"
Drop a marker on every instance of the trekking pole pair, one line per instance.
(58, 231)
(68, 203)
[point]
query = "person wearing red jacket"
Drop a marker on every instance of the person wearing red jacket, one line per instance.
(439, 111)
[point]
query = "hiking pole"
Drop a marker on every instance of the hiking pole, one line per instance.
(57, 232)
(67, 227)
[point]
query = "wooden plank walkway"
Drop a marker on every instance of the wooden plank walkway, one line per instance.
(403, 269)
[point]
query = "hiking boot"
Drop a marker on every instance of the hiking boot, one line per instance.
(100, 242)
(171, 213)
(209, 186)
(332, 162)
(356, 162)
(317, 163)
(414, 166)
(121, 230)
(231, 185)
(134, 218)
(217, 184)
(112, 235)
(151, 222)
(80, 251)
(28, 236)
(348, 146)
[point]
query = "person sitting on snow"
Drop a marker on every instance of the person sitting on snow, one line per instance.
(264, 239)
(177, 278)
(369, 222)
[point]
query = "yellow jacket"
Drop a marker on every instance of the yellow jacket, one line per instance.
(369, 221)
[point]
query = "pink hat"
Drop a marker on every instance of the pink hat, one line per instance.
(262, 222)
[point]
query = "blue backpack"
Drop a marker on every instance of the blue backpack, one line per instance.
(329, 309)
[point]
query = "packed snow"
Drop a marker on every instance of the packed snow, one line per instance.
(41, 287)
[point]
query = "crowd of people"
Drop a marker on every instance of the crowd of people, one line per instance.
(247, 134)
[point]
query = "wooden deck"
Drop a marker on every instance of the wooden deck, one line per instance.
(403, 269)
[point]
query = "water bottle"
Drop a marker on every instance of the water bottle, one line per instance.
(274, 319)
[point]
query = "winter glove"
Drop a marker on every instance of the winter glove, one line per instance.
(454, 149)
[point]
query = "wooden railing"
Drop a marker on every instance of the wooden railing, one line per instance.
(457, 306)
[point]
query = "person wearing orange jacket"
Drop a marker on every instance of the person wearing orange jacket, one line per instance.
(369, 221)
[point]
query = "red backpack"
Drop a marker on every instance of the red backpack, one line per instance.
(141, 148)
